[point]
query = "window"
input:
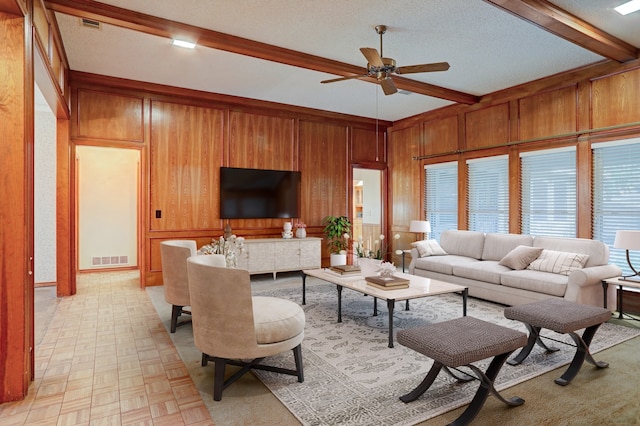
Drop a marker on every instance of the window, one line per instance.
(441, 197)
(616, 196)
(548, 192)
(488, 194)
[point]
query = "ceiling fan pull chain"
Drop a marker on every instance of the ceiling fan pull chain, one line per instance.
(377, 137)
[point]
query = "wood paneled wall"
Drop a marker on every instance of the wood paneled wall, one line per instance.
(369, 147)
(51, 63)
(109, 117)
(404, 187)
(260, 141)
(595, 104)
(185, 157)
(325, 171)
(616, 99)
(188, 138)
(16, 210)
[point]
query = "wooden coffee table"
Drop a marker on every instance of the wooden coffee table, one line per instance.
(418, 287)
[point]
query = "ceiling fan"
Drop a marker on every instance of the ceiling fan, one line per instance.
(382, 68)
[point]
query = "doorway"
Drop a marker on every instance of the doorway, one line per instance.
(44, 192)
(368, 207)
(107, 187)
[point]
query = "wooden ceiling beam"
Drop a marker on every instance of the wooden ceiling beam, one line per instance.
(13, 7)
(149, 24)
(569, 27)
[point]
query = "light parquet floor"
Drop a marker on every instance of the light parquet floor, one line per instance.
(103, 357)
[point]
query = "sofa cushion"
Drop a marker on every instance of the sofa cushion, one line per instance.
(428, 248)
(597, 250)
(496, 246)
(536, 281)
(442, 264)
(484, 270)
(520, 257)
(463, 243)
(558, 262)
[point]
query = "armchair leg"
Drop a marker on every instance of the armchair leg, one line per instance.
(297, 354)
(220, 384)
(218, 378)
(175, 313)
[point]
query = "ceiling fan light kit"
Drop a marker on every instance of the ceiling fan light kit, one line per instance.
(382, 69)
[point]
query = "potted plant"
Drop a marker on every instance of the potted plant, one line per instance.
(371, 256)
(337, 230)
(376, 250)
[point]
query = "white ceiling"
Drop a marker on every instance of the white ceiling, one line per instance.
(488, 49)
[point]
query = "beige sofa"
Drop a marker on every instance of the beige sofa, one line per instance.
(473, 259)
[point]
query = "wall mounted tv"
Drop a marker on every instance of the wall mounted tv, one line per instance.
(258, 194)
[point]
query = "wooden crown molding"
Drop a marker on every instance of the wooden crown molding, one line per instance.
(149, 24)
(569, 27)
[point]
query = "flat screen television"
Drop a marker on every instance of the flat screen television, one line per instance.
(258, 193)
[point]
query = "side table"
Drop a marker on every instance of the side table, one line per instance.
(404, 253)
(620, 283)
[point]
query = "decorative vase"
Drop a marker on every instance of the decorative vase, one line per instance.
(338, 259)
(369, 267)
(301, 233)
(287, 230)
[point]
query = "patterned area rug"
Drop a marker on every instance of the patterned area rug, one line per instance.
(353, 378)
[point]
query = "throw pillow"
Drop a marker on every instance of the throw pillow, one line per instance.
(558, 262)
(520, 257)
(428, 248)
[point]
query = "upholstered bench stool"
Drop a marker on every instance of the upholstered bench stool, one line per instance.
(459, 342)
(562, 317)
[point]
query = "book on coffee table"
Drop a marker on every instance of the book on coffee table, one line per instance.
(388, 287)
(348, 276)
(391, 282)
(346, 269)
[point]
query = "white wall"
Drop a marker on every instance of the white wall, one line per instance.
(107, 206)
(44, 193)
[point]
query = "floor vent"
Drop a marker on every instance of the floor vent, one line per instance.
(90, 23)
(109, 260)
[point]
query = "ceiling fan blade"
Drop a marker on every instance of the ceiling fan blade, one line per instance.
(388, 86)
(437, 66)
(333, 80)
(373, 57)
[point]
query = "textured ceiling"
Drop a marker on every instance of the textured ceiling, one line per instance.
(488, 49)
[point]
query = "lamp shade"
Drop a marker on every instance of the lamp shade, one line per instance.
(629, 240)
(419, 226)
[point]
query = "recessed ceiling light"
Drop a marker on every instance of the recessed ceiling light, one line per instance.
(628, 7)
(183, 43)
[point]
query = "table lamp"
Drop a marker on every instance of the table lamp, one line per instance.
(420, 226)
(628, 240)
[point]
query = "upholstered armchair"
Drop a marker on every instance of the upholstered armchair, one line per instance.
(230, 325)
(174, 255)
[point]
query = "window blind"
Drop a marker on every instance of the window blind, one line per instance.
(441, 197)
(488, 194)
(548, 192)
(616, 196)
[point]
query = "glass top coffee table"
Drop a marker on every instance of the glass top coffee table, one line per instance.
(418, 287)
